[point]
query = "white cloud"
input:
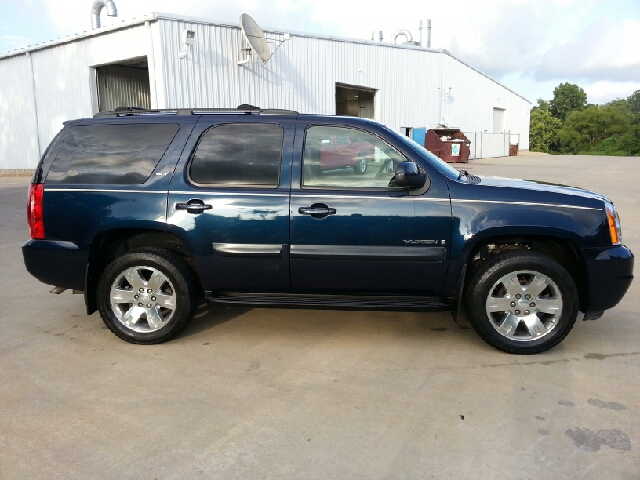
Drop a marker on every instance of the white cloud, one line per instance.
(605, 50)
(605, 91)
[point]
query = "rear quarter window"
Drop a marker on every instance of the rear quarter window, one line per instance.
(238, 155)
(111, 154)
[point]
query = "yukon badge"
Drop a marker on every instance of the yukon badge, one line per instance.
(424, 242)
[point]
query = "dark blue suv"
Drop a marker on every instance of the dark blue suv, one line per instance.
(148, 212)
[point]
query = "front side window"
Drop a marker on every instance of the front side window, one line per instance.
(238, 154)
(342, 157)
(123, 154)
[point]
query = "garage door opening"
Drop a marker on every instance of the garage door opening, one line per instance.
(123, 84)
(355, 101)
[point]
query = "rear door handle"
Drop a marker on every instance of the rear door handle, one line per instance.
(195, 205)
(317, 210)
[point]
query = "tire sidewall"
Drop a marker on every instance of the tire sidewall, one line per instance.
(361, 165)
(486, 277)
(184, 301)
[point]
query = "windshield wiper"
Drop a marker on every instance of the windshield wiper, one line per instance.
(467, 177)
(462, 173)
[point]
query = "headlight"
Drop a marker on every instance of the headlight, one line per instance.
(615, 231)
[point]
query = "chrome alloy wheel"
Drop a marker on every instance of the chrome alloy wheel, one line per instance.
(524, 306)
(143, 299)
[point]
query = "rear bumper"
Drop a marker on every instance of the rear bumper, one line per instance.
(61, 264)
(610, 272)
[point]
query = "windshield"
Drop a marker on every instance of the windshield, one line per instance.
(441, 166)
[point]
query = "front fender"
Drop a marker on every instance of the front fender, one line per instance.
(477, 221)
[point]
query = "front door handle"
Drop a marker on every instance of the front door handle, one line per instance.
(195, 205)
(317, 210)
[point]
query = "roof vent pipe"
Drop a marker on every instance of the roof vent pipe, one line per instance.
(429, 33)
(97, 7)
(403, 32)
(376, 36)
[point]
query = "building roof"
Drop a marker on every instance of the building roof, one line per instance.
(182, 18)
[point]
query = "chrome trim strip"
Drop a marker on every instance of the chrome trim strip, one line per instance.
(101, 190)
(252, 250)
(404, 197)
(204, 193)
(364, 252)
(525, 204)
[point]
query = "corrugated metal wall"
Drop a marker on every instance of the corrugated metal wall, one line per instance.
(18, 126)
(65, 89)
(120, 86)
(302, 76)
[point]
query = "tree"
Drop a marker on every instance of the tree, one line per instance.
(543, 130)
(621, 103)
(542, 105)
(567, 97)
(584, 130)
(634, 102)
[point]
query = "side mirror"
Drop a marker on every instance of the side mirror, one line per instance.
(408, 175)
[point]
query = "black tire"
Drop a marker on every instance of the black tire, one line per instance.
(361, 165)
(519, 340)
(180, 287)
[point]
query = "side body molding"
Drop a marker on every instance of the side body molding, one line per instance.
(251, 250)
(375, 253)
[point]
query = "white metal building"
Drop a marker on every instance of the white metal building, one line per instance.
(142, 63)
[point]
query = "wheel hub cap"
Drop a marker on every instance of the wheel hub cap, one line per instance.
(143, 299)
(524, 306)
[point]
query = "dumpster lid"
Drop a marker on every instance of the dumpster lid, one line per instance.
(445, 131)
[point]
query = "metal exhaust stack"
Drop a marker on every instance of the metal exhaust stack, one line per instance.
(429, 33)
(97, 7)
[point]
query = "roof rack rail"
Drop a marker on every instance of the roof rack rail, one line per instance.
(244, 109)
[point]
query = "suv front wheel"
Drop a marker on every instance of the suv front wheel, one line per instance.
(521, 302)
(147, 296)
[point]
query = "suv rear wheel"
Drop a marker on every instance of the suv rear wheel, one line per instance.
(522, 302)
(147, 296)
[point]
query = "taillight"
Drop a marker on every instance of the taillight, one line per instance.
(34, 210)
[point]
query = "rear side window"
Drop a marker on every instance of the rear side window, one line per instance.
(238, 154)
(111, 154)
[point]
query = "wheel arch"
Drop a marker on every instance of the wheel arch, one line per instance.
(562, 250)
(110, 244)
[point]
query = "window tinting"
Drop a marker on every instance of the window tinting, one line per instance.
(239, 154)
(111, 154)
(339, 157)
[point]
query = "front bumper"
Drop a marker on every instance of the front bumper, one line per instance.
(61, 264)
(610, 272)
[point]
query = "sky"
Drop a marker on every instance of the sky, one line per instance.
(528, 45)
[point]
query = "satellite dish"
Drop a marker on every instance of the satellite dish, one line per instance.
(255, 37)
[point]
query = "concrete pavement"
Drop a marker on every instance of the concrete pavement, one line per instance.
(272, 393)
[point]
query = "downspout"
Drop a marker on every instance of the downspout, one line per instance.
(97, 7)
(35, 105)
(441, 90)
(152, 68)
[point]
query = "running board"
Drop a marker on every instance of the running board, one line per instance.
(398, 302)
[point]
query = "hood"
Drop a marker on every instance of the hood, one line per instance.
(544, 187)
